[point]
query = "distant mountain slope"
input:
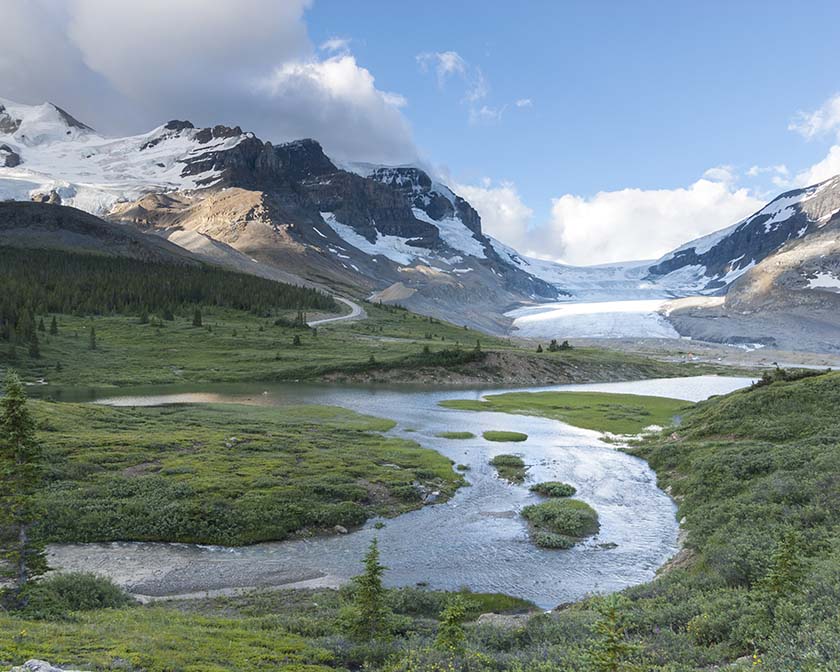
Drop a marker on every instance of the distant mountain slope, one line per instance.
(287, 207)
(47, 226)
(717, 260)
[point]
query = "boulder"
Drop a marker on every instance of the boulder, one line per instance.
(38, 666)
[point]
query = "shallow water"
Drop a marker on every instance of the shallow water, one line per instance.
(476, 539)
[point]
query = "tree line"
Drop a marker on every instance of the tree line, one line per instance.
(39, 282)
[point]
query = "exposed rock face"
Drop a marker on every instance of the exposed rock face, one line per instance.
(8, 124)
(8, 157)
(790, 216)
(39, 666)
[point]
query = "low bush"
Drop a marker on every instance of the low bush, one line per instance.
(567, 517)
(554, 489)
(495, 435)
(57, 596)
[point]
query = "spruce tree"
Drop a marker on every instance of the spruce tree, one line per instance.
(368, 617)
(21, 557)
(92, 338)
(450, 635)
(197, 318)
(41, 326)
(53, 326)
(611, 650)
(296, 340)
(539, 347)
(34, 346)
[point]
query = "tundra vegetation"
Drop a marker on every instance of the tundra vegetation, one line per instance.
(601, 411)
(223, 474)
(510, 467)
(755, 474)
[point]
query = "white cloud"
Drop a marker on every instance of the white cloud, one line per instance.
(503, 214)
(444, 63)
(819, 122)
(353, 117)
(336, 45)
(820, 171)
(641, 224)
(485, 114)
(128, 66)
(524, 102)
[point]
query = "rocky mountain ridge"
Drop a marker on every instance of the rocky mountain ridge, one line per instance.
(390, 233)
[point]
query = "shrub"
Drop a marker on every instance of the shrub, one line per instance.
(492, 435)
(554, 489)
(510, 467)
(568, 517)
(59, 595)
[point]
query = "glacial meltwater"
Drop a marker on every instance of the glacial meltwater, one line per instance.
(475, 540)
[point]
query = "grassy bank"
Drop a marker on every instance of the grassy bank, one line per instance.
(224, 474)
(391, 345)
(605, 412)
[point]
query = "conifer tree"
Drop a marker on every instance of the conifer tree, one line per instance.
(611, 650)
(53, 326)
(34, 346)
(369, 617)
(92, 338)
(41, 326)
(450, 635)
(197, 318)
(21, 557)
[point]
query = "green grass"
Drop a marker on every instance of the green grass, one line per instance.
(554, 489)
(225, 474)
(604, 412)
(510, 467)
(234, 345)
(158, 639)
(456, 435)
(286, 629)
(559, 523)
(504, 436)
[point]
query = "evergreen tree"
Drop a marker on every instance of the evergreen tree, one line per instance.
(478, 346)
(539, 347)
(553, 347)
(368, 617)
(450, 635)
(786, 565)
(92, 338)
(53, 326)
(144, 317)
(22, 557)
(197, 318)
(41, 326)
(296, 340)
(34, 346)
(611, 649)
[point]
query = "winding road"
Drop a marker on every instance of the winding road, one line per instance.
(356, 313)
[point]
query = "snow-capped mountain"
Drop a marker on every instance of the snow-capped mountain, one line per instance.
(714, 262)
(390, 232)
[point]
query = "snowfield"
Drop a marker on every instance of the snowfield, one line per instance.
(600, 319)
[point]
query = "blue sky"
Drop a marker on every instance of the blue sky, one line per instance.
(646, 123)
(642, 94)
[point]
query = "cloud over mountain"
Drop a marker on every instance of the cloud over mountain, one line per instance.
(248, 62)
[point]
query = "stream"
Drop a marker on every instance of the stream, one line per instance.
(475, 540)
